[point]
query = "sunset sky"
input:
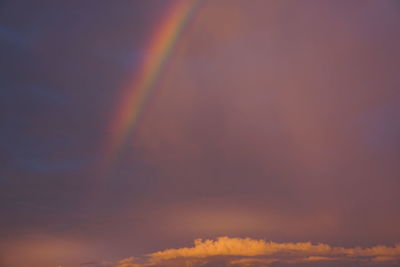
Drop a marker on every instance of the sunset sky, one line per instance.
(187, 133)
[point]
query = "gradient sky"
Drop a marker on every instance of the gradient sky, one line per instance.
(272, 120)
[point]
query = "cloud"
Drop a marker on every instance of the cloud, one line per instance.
(37, 250)
(247, 252)
(128, 262)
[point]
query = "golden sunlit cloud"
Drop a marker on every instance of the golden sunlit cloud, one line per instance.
(128, 262)
(225, 251)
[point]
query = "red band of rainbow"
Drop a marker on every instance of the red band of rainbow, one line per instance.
(134, 97)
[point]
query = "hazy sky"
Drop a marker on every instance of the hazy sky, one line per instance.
(270, 121)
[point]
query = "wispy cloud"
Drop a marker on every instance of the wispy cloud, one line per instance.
(225, 251)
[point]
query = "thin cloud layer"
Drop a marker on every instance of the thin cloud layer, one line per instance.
(225, 251)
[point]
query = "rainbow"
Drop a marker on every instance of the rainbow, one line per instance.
(134, 97)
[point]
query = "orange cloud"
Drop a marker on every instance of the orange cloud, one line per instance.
(246, 252)
(238, 247)
(37, 250)
(128, 262)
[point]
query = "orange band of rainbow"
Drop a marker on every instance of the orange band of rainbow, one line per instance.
(134, 97)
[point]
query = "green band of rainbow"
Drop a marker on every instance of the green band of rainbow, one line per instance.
(160, 47)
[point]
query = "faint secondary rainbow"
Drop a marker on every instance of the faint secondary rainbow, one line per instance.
(135, 96)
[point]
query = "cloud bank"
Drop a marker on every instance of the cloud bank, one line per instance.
(246, 252)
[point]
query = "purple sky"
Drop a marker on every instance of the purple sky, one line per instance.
(273, 120)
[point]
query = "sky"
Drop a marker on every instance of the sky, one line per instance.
(227, 133)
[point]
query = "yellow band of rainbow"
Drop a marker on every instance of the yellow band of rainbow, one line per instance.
(134, 97)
